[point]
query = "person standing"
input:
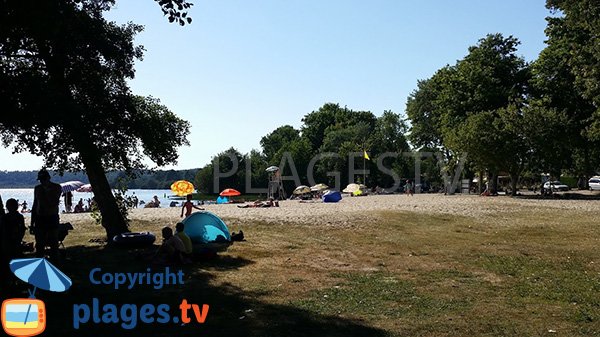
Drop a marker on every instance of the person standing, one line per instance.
(135, 200)
(44, 215)
(68, 198)
(408, 188)
(188, 205)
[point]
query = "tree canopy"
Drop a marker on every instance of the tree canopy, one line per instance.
(64, 94)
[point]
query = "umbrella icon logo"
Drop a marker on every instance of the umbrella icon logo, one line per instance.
(27, 316)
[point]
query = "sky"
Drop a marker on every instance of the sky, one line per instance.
(244, 68)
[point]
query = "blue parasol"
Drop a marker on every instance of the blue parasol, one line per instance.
(40, 274)
(70, 186)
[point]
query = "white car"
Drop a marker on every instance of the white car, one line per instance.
(594, 183)
(556, 186)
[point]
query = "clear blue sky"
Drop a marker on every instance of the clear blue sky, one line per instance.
(243, 68)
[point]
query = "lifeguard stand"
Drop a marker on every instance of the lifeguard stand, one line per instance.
(276, 186)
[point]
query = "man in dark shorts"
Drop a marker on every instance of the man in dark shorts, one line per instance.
(44, 215)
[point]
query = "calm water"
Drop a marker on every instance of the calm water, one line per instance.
(26, 194)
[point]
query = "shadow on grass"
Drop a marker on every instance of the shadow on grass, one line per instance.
(233, 311)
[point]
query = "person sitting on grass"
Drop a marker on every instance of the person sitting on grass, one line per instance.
(79, 207)
(188, 205)
(187, 242)
(12, 231)
(172, 249)
(12, 225)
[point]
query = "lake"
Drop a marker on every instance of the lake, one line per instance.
(26, 194)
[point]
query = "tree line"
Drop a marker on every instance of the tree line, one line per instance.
(341, 133)
(142, 179)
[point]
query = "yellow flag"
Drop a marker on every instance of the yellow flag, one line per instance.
(366, 156)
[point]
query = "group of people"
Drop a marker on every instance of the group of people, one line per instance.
(44, 223)
(80, 207)
(176, 248)
(261, 204)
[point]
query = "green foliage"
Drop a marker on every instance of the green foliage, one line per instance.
(227, 161)
(475, 108)
(579, 29)
(329, 129)
(277, 139)
(423, 112)
(316, 122)
(64, 93)
(563, 81)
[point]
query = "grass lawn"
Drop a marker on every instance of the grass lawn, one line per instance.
(405, 274)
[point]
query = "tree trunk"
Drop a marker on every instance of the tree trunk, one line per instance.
(493, 180)
(480, 183)
(587, 167)
(112, 220)
(514, 179)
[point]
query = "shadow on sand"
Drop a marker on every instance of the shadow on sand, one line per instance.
(233, 312)
(561, 196)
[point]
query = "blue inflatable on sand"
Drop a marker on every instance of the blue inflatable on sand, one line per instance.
(222, 200)
(332, 196)
(207, 231)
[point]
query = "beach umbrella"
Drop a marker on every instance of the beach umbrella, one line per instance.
(351, 188)
(319, 187)
(272, 169)
(302, 189)
(40, 273)
(85, 188)
(182, 187)
(70, 186)
(229, 192)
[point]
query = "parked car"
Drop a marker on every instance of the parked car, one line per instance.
(594, 183)
(556, 186)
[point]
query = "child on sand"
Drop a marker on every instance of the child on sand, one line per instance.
(408, 188)
(188, 205)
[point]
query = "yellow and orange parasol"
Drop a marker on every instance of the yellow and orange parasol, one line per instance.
(182, 188)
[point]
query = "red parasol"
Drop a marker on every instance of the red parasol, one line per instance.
(229, 192)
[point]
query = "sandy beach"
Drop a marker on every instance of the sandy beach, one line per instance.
(356, 210)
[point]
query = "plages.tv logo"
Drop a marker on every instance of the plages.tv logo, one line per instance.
(27, 316)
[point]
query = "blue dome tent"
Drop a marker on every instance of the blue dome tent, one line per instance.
(207, 231)
(332, 196)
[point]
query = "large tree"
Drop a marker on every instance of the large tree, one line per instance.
(64, 95)
(578, 24)
(465, 103)
(565, 80)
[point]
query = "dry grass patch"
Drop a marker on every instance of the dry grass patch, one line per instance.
(508, 273)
